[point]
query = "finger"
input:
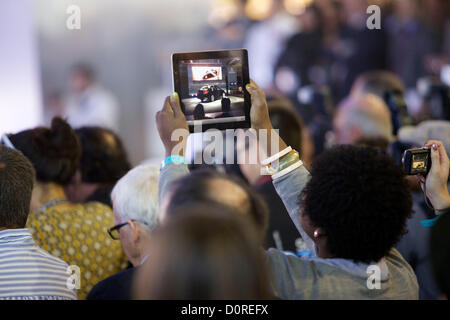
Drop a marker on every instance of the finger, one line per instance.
(256, 93)
(176, 107)
(253, 85)
(167, 107)
(435, 157)
(443, 153)
(430, 143)
(420, 178)
(443, 157)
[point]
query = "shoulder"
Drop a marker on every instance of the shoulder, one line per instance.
(96, 209)
(400, 270)
(115, 287)
(57, 262)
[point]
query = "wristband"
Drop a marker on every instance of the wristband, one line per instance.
(276, 156)
(283, 172)
(286, 161)
(175, 159)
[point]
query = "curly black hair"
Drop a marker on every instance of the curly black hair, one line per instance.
(361, 199)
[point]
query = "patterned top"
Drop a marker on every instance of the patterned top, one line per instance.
(77, 233)
(29, 273)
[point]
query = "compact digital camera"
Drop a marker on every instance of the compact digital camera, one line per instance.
(417, 161)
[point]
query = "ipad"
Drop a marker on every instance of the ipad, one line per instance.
(211, 86)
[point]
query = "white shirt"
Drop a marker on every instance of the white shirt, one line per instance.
(94, 107)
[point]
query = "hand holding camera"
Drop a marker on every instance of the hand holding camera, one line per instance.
(431, 164)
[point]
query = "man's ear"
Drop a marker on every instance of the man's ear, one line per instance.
(134, 227)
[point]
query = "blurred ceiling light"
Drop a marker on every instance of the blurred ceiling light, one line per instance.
(258, 9)
(222, 12)
(296, 7)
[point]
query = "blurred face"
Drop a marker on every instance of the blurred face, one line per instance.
(405, 8)
(77, 190)
(308, 20)
(344, 134)
(79, 82)
(355, 6)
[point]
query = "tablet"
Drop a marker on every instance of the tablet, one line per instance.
(211, 86)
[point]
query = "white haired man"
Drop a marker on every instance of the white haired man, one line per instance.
(364, 116)
(135, 205)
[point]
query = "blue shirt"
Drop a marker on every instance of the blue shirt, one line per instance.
(28, 272)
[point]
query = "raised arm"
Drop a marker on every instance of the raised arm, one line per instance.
(289, 186)
(173, 131)
(437, 179)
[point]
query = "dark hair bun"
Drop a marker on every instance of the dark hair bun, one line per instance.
(54, 151)
(58, 142)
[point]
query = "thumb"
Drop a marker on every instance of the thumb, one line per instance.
(175, 103)
(258, 96)
(435, 158)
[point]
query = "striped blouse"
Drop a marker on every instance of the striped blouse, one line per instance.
(28, 272)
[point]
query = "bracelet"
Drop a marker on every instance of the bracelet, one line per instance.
(276, 156)
(283, 172)
(175, 159)
(289, 159)
(286, 161)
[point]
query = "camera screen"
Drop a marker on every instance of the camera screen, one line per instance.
(419, 163)
(212, 90)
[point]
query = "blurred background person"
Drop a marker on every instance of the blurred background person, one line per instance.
(274, 27)
(74, 232)
(103, 162)
(136, 214)
(360, 49)
(388, 87)
(90, 104)
(410, 41)
(302, 52)
(205, 252)
(362, 116)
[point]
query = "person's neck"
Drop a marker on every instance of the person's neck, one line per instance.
(44, 193)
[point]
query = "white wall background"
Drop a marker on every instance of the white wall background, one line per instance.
(20, 90)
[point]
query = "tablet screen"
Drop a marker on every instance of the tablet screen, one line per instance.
(211, 88)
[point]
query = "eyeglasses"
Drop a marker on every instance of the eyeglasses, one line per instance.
(114, 231)
(5, 140)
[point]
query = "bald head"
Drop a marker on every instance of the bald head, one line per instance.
(360, 117)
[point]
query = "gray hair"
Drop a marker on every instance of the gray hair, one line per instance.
(135, 195)
(370, 114)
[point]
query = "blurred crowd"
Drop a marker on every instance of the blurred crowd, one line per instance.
(346, 99)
